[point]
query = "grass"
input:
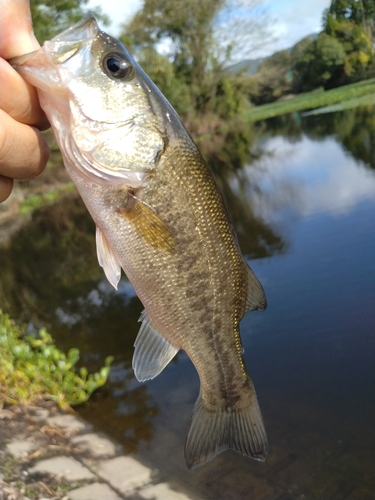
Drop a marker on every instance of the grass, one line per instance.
(364, 100)
(351, 95)
(50, 196)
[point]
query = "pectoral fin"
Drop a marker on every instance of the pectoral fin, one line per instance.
(256, 299)
(107, 259)
(148, 224)
(152, 351)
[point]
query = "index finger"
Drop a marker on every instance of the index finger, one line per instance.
(17, 97)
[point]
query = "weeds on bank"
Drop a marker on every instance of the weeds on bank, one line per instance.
(32, 366)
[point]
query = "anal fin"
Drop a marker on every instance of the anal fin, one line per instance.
(107, 259)
(152, 351)
(256, 298)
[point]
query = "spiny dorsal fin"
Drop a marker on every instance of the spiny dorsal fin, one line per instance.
(152, 351)
(107, 259)
(255, 299)
(148, 224)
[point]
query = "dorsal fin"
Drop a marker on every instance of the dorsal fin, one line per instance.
(107, 259)
(255, 299)
(152, 351)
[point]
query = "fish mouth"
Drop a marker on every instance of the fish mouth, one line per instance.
(63, 46)
(41, 67)
(87, 27)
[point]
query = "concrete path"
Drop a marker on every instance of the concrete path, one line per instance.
(99, 469)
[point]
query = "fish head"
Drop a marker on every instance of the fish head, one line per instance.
(112, 121)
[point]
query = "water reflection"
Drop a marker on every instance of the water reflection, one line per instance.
(48, 262)
(124, 408)
(353, 129)
(50, 276)
(303, 209)
(307, 178)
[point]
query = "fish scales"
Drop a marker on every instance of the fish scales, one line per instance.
(195, 277)
(161, 217)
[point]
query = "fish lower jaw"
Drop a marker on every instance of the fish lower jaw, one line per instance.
(91, 171)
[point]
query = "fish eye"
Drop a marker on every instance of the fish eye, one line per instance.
(116, 66)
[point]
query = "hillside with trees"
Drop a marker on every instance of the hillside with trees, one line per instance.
(342, 53)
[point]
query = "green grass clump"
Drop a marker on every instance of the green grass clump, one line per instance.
(32, 367)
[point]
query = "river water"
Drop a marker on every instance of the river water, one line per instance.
(304, 210)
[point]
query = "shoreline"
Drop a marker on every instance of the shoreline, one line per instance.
(49, 454)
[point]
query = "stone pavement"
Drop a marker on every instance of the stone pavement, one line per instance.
(99, 470)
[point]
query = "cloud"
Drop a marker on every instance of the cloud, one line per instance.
(293, 20)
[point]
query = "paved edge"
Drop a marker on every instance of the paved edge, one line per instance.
(101, 468)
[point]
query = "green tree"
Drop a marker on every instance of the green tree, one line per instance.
(359, 12)
(163, 72)
(300, 47)
(320, 64)
(351, 22)
(273, 78)
(343, 51)
(50, 17)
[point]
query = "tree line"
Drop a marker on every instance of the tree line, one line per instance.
(342, 53)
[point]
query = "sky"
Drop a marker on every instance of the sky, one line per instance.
(293, 19)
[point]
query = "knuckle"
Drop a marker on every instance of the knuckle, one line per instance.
(24, 152)
(6, 144)
(3, 134)
(39, 158)
(6, 185)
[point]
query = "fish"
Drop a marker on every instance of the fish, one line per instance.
(160, 217)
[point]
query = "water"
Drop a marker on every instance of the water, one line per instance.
(304, 212)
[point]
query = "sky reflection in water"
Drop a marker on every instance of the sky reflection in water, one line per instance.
(310, 354)
(319, 177)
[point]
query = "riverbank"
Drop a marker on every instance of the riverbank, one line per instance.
(319, 100)
(47, 454)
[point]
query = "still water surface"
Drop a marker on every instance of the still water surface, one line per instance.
(305, 215)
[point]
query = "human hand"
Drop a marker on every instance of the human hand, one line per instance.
(23, 149)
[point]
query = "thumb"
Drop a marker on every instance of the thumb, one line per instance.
(16, 30)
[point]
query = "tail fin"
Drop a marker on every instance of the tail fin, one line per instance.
(239, 427)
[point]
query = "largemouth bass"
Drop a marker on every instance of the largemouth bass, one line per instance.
(160, 217)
